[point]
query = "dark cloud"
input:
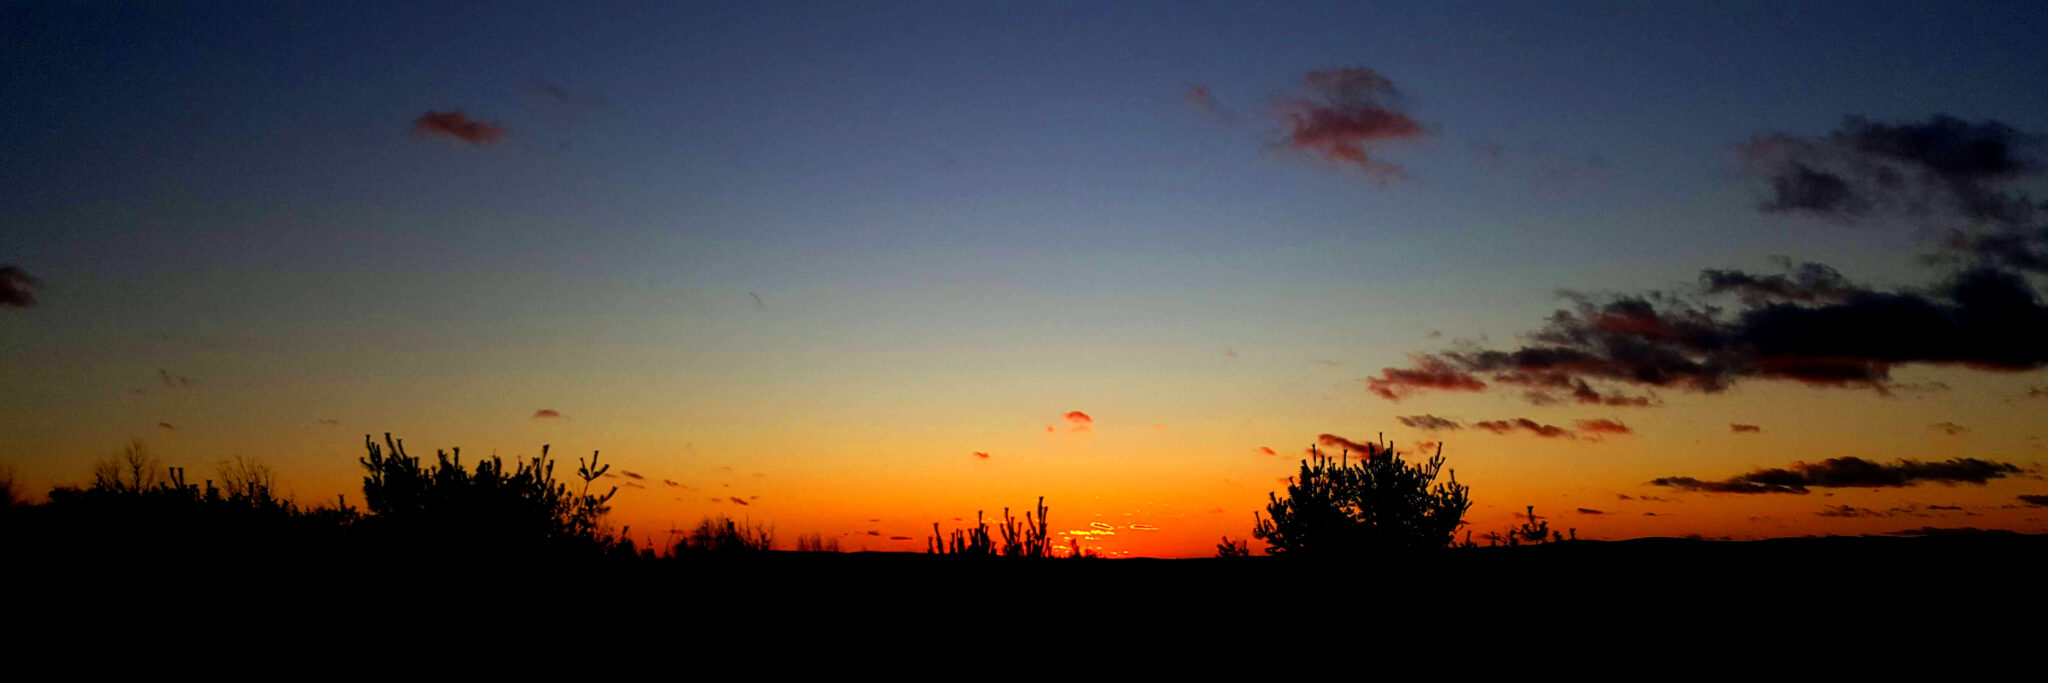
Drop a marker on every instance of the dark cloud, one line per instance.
(166, 426)
(900, 538)
(1602, 426)
(632, 485)
(671, 483)
(1524, 424)
(330, 423)
(2016, 249)
(1344, 114)
(2034, 500)
(1586, 395)
(1807, 283)
(1590, 511)
(458, 125)
(1429, 422)
(1980, 318)
(1943, 166)
(1744, 429)
(1428, 373)
(1945, 507)
(1949, 428)
(1850, 511)
(758, 305)
(14, 288)
(631, 474)
(1848, 472)
(736, 500)
(545, 413)
(1080, 421)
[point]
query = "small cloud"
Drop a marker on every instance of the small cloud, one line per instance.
(736, 500)
(1949, 428)
(561, 95)
(671, 483)
(1744, 429)
(14, 288)
(1229, 352)
(1590, 511)
(2034, 500)
(165, 426)
(1429, 423)
(1080, 421)
(758, 305)
(546, 414)
(1334, 441)
(631, 474)
(900, 538)
(330, 423)
(174, 381)
(1345, 114)
(632, 485)
(457, 125)
(874, 533)
(1602, 427)
(1265, 450)
(981, 454)
(1524, 424)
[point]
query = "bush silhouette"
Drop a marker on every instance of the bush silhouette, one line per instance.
(721, 534)
(1026, 538)
(445, 505)
(1377, 503)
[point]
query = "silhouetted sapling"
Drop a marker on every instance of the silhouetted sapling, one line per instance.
(1378, 503)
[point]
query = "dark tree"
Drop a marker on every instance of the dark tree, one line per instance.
(1375, 503)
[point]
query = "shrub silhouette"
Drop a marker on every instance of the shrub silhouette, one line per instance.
(446, 505)
(816, 543)
(1028, 538)
(1379, 503)
(1230, 548)
(721, 534)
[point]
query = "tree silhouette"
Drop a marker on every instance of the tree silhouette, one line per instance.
(1378, 503)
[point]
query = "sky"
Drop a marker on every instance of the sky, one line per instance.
(858, 269)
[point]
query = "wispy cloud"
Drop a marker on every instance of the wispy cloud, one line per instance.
(1949, 428)
(546, 414)
(458, 125)
(1079, 421)
(1740, 428)
(981, 454)
(173, 380)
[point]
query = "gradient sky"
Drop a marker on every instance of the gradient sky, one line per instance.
(816, 258)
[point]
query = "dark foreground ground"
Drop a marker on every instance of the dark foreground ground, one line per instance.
(1962, 604)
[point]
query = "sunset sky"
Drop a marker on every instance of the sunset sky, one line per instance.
(856, 268)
